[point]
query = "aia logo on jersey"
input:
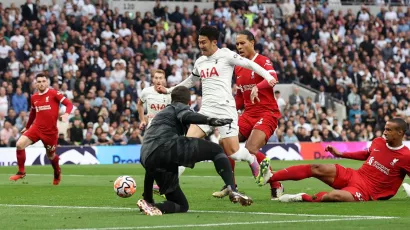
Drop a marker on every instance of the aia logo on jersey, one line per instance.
(157, 107)
(208, 74)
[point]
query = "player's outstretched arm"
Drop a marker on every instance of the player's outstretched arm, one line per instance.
(359, 155)
(189, 83)
(189, 117)
(235, 59)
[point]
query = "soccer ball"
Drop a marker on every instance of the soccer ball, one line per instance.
(125, 186)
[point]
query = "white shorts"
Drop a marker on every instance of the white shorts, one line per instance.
(224, 111)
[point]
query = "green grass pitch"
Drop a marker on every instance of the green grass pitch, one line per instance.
(86, 200)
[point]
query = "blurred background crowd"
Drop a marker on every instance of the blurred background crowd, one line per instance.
(101, 60)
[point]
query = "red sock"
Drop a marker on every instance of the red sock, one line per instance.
(21, 159)
(54, 162)
(293, 173)
(233, 168)
(314, 198)
(260, 157)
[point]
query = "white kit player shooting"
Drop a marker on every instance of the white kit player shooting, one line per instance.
(215, 69)
(155, 102)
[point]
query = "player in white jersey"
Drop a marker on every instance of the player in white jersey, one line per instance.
(215, 69)
(152, 99)
(155, 102)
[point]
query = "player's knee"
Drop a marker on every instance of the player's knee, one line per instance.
(184, 207)
(215, 149)
(252, 148)
(220, 156)
(20, 145)
(318, 170)
(333, 197)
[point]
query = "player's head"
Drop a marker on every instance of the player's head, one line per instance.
(181, 94)
(208, 39)
(245, 44)
(394, 130)
(42, 82)
(159, 77)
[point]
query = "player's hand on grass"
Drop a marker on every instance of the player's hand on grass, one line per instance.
(254, 95)
(333, 151)
(142, 125)
(23, 130)
(219, 122)
(161, 89)
(64, 117)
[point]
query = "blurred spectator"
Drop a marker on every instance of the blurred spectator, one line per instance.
(102, 59)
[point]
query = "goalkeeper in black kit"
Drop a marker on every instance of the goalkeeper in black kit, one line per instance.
(165, 147)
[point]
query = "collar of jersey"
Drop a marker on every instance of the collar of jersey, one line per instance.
(43, 92)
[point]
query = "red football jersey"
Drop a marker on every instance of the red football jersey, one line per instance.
(46, 106)
(385, 168)
(246, 79)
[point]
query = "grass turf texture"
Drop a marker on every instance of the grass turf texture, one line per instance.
(85, 199)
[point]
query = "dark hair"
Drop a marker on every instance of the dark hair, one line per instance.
(181, 94)
(40, 75)
(402, 125)
(248, 35)
(210, 32)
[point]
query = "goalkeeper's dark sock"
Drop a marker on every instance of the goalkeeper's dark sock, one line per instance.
(233, 168)
(224, 169)
(176, 202)
(168, 207)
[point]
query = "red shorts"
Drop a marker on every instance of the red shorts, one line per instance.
(265, 122)
(49, 140)
(350, 180)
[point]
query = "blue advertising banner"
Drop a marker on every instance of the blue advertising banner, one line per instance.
(126, 154)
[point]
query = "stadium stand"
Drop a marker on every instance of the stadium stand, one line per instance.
(352, 64)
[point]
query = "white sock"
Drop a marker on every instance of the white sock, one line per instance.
(243, 154)
(181, 170)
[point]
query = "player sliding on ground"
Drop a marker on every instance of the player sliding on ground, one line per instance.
(260, 117)
(42, 125)
(387, 161)
(155, 102)
(215, 69)
(165, 148)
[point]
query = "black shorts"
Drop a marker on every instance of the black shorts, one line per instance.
(178, 152)
(163, 162)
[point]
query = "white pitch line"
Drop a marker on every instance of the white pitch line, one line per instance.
(114, 176)
(223, 224)
(197, 211)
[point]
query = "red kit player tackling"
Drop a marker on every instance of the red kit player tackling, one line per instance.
(42, 125)
(259, 119)
(387, 162)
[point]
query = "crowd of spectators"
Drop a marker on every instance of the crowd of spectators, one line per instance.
(101, 60)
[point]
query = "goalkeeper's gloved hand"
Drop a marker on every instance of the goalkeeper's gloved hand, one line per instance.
(219, 122)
